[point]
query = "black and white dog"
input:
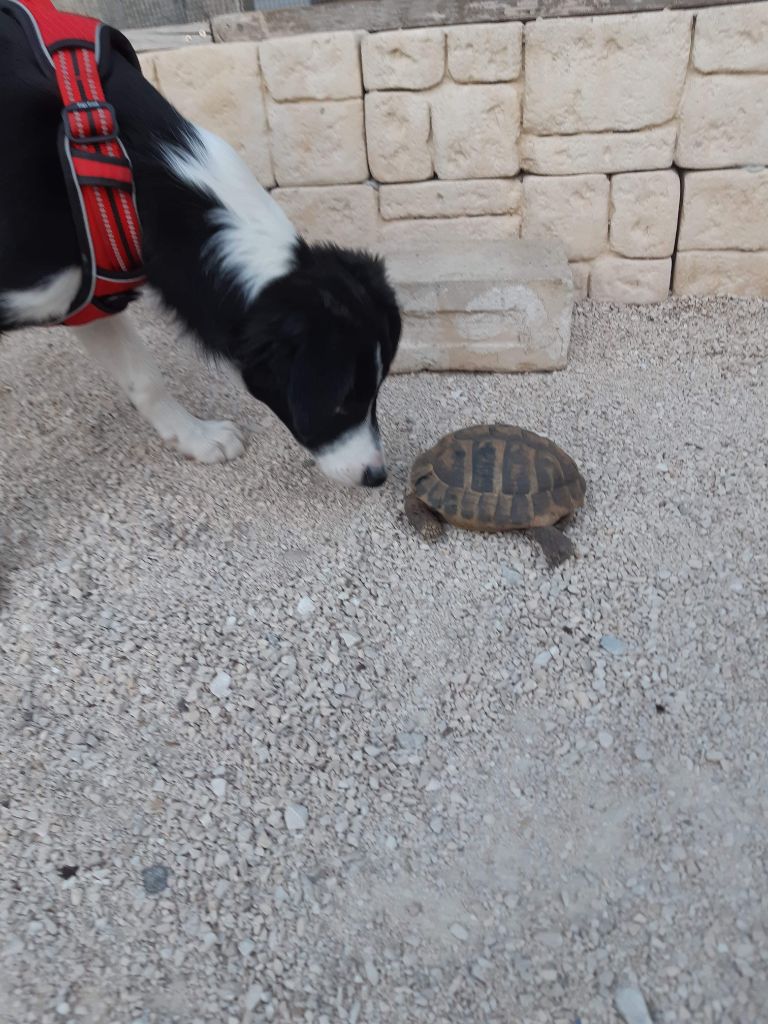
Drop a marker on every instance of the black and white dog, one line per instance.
(312, 330)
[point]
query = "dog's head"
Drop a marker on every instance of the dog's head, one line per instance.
(321, 341)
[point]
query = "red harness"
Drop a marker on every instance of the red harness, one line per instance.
(96, 166)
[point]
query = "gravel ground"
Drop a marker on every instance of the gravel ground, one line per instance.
(267, 756)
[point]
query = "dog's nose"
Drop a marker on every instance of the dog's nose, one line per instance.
(374, 476)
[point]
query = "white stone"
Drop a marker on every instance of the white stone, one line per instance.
(581, 272)
(318, 143)
(413, 59)
(448, 231)
(220, 685)
(573, 209)
(723, 121)
(344, 214)
(219, 88)
(613, 644)
(485, 53)
(631, 1005)
(725, 210)
(743, 274)
(398, 130)
(599, 152)
(296, 817)
(323, 66)
(614, 73)
(371, 972)
(253, 997)
(219, 787)
(450, 198)
(475, 130)
(733, 38)
(458, 931)
(644, 212)
(492, 306)
(615, 279)
(305, 607)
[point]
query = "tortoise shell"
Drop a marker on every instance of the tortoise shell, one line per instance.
(497, 477)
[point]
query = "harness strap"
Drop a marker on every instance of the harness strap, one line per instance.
(96, 165)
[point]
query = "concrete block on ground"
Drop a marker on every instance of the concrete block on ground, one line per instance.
(403, 60)
(483, 306)
(485, 53)
(318, 143)
(219, 88)
(725, 210)
(615, 279)
(743, 274)
(325, 66)
(614, 73)
(599, 152)
(149, 68)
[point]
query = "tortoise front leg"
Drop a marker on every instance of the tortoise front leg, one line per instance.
(555, 545)
(425, 522)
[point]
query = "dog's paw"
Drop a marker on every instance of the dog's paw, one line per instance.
(209, 441)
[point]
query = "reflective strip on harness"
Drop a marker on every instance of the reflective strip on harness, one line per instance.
(96, 166)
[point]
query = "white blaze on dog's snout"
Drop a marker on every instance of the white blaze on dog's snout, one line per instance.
(346, 459)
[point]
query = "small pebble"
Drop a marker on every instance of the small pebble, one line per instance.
(253, 997)
(221, 684)
(219, 787)
(371, 973)
(305, 607)
(612, 644)
(642, 753)
(458, 931)
(295, 817)
(631, 1005)
(511, 576)
(605, 739)
(542, 658)
(155, 879)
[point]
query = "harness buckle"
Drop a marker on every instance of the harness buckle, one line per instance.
(86, 108)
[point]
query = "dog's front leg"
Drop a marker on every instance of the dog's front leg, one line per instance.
(117, 347)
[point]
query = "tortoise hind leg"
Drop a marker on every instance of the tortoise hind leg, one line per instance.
(555, 545)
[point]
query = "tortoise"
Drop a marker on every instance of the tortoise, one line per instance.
(493, 478)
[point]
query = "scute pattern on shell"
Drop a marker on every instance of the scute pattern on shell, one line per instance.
(498, 477)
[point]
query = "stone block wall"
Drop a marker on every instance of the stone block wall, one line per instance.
(640, 140)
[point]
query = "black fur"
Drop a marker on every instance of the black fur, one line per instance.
(307, 346)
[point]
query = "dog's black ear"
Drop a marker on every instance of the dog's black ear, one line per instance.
(319, 383)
